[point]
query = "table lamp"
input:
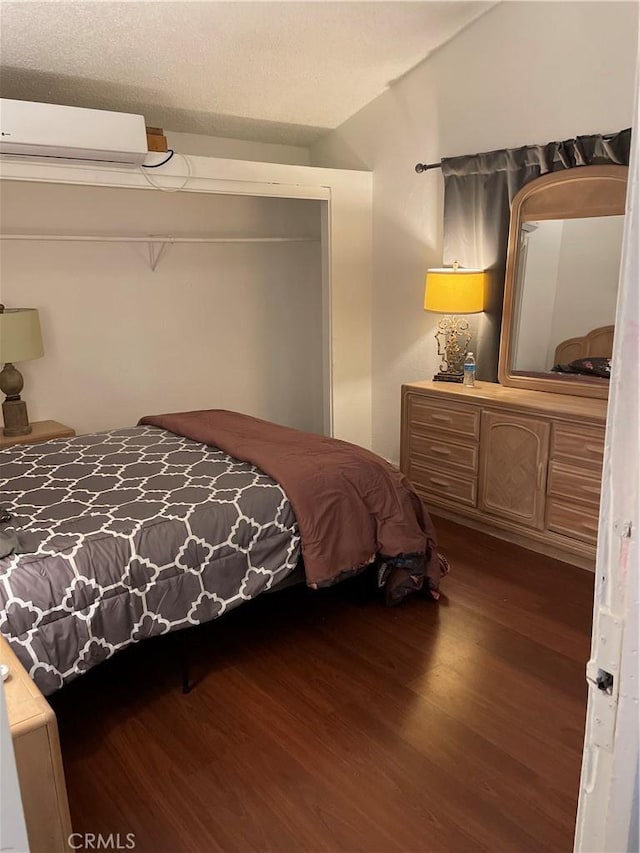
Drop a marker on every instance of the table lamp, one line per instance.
(20, 340)
(453, 291)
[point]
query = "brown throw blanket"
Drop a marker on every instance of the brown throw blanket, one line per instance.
(351, 506)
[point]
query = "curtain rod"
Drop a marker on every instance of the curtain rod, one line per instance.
(424, 167)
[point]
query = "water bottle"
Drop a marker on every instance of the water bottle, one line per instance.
(469, 378)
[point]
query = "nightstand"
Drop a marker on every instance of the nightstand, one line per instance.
(40, 431)
(34, 732)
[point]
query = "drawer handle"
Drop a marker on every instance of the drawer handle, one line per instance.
(592, 449)
(442, 483)
(436, 417)
(439, 448)
(540, 474)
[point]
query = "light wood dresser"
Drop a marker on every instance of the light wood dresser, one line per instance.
(522, 465)
(36, 745)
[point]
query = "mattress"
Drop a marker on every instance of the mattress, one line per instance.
(133, 533)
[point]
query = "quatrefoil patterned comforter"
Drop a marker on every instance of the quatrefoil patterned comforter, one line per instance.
(134, 532)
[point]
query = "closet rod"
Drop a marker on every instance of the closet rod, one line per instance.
(156, 238)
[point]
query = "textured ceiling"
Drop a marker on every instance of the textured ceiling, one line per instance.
(267, 71)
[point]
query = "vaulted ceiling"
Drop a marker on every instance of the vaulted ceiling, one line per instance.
(267, 71)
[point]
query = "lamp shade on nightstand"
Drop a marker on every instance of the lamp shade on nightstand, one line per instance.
(20, 340)
(452, 290)
(20, 337)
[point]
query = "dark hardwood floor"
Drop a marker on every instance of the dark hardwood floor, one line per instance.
(322, 721)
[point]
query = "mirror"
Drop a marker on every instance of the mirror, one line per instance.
(561, 286)
(568, 285)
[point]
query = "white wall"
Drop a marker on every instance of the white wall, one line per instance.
(236, 149)
(215, 326)
(523, 73)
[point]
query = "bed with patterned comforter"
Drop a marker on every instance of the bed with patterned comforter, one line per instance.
(131, 533)
(111, 538)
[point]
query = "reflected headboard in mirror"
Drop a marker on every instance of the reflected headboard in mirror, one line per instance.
(597, 343)
(565, 241)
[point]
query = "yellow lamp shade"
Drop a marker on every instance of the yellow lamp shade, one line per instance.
(453, 290)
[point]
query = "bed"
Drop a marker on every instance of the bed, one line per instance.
(124, 535)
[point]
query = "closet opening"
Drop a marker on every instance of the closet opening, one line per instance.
(166, 301)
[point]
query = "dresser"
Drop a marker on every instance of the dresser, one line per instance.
(34, 732)
(521, 465)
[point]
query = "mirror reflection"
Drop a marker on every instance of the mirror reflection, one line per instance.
(567, 287)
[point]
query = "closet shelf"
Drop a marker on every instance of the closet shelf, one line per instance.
(154, 238)
(157, 243)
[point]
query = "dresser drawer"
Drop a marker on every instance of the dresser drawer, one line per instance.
(574, 520)
(453, 419)
(440, 453)
(580, 443)
(441, 485)
(574, 483)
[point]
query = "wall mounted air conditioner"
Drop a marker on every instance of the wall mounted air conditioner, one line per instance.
(31, 129)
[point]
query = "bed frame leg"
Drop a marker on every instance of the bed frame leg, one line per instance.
(184, 664)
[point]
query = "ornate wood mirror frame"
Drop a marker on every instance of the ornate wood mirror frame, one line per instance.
(578, 193)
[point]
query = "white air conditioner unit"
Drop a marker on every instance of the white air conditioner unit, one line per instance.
(71, 133)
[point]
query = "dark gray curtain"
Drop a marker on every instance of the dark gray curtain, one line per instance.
(478, 191)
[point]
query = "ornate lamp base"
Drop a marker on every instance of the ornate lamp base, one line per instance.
(448, 377)
(453, 336)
